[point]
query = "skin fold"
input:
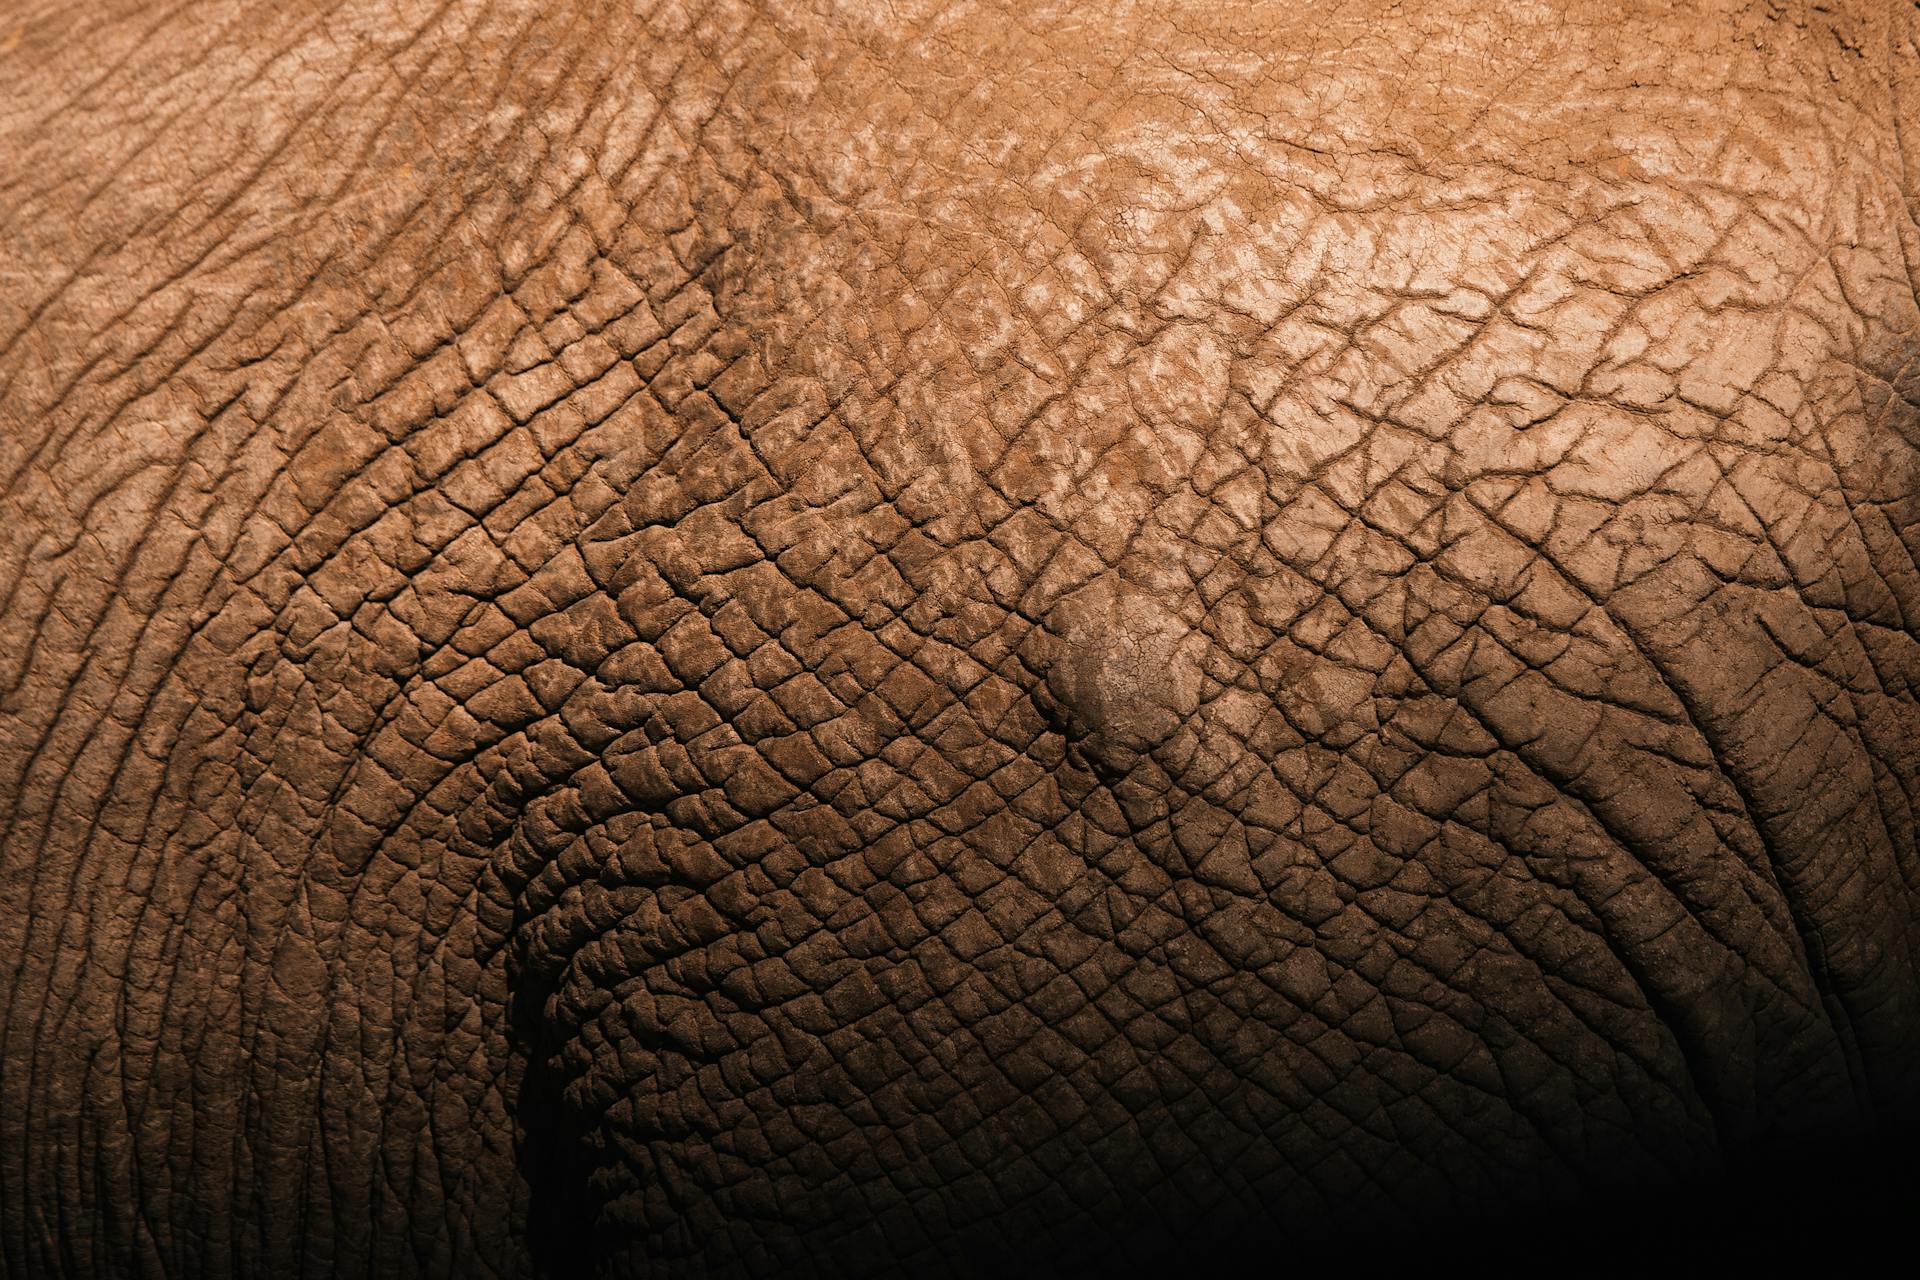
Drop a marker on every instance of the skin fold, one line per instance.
(948, 639)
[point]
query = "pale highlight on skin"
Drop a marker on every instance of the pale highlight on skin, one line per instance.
(849, 640)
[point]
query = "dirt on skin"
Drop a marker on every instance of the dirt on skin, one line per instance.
(951, 639)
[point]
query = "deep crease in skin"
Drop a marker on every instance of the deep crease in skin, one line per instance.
(750, 639)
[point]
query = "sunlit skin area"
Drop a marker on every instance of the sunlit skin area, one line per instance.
(953, 639)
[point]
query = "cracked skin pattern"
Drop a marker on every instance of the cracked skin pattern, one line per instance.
(706, 639)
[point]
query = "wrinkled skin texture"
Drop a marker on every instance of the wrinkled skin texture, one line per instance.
(720, 640)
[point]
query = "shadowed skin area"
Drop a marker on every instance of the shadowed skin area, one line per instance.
(710, 639)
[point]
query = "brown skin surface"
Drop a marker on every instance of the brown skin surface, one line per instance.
(723, 641)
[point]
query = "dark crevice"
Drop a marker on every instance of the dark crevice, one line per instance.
(564, 1233)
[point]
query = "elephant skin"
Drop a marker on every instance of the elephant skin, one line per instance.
(950, 639)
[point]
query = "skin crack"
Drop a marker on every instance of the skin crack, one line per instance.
(735, 639)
